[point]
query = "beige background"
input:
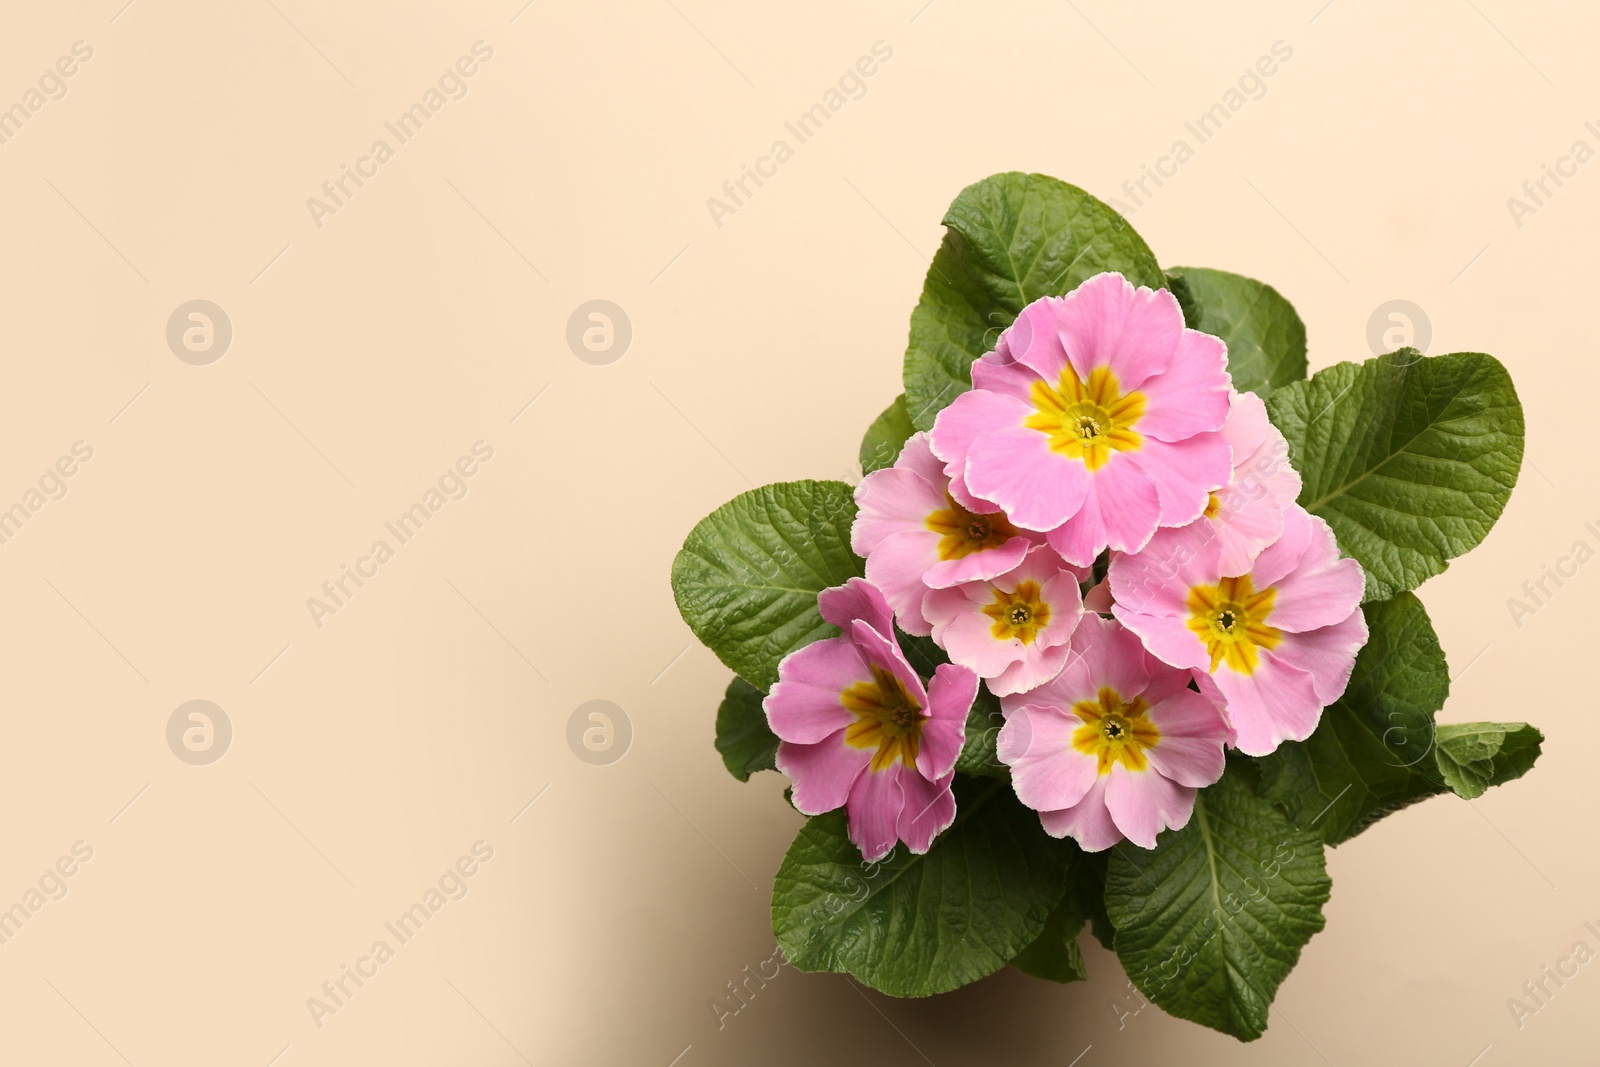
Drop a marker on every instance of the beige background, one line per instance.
(368, 354)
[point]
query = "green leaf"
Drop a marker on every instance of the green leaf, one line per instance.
(747, 578)
(1054, 954)
(1211, 921)
(1011, 239)
(745, 740)
(1472, 756)
(912, 926)
(1377, 749)
(1372, 752)
(1266, 339)
(886, 436)
(924, 656)
(978, 755)
(1090, 882)
(1188, 299)
(1410, 459)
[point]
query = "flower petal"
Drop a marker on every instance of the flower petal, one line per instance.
(1267, 471)
(885, 652)
(892, 501)
(928, 808)
(1208, 689)
(1322, 589)
(1087, 822)
(1247, 426)
(1167, 638)
(1106, 321)
(962, 627)
(1192, 735)
(822, 773)
(1058, 587)
(1030, 672)
(1283, 555)
(1098, 599)
(1106, 653)
(916, 456)
(1034, 340)
(1276, 703)
(1014, 466)
(896, 566)
(950, 697)
(1184, 473)
(977, 567)
(804, 705)
(1047, 773)
(1166, 680)
(856, 599)
(1120, 511)
(1143, 803)
(964, 632)
(1327, 653)
(1191, 396)
(1156, 580)
(997, 372)
(968, 417)
(1244, 526)
(873, 811)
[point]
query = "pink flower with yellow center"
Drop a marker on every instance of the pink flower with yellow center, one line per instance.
(915, 536)
(1012, 629)
(1276, 644)
(1114, 746)
(1246, 515)
(1096, 420)
(858, 729)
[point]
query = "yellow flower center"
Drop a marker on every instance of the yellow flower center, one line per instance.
(1021, 614)
(964, 532)
(1213, 506)
(1231, 618)
(1115, 731)
(1087, 420)
(888, 719)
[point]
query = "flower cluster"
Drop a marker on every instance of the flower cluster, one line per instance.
(1101, 437)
